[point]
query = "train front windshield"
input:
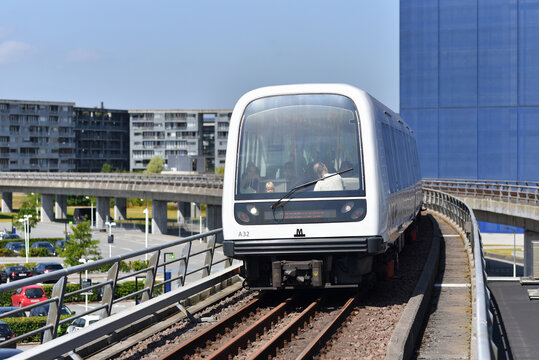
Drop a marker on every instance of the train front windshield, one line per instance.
(291, 140)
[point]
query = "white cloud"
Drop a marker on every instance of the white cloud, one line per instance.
(11, 50)
(83, 55)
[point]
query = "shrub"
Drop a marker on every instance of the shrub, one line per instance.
(39, 252)
(24, 325)
(138, 264)
(6, 252)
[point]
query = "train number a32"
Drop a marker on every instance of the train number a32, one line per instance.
(243, 234)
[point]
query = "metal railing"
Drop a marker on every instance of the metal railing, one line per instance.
(205, 181)
(109, 286)
(463, 216)
(526, 192)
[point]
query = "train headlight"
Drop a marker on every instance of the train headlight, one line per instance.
(252, 210)
(357, 213)
(243, 217)
(347, 207)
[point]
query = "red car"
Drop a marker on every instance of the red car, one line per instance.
(28, 295)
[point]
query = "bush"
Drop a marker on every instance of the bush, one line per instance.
(138, 264)
(39, 252)
(6, 252)
(24, 325)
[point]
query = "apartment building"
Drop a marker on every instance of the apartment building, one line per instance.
(178, 133)
(101, 136)
(36, 136)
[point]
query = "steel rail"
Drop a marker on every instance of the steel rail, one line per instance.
(199, 341)
(323, 336)
(241, 340)
(270, 348)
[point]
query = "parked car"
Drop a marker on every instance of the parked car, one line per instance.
(44, 245)
(6, 309)
(10, 236)
(15, 272)
(16, 246)
(60, 244)
(28, 295)
(7, 353)
(6, 333)
(82, 322)
(45, 268)
(43, 310)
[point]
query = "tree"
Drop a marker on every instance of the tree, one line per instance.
(107, 168)
(220, 170)
(28, 207)
(80, 245)
(156, 165)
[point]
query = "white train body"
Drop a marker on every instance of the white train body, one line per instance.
(326, 234)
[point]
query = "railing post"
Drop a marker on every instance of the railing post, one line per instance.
(182, 271)
(53, 318)
(150, 276)
(209, 256)
(108, 291)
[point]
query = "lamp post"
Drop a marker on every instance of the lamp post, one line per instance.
(514, 249)
(91, 211)
(110, 225)
(84, 261)
(26, 224)
(146, 213)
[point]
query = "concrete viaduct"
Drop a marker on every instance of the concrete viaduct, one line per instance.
(513, 203)
(161, 189)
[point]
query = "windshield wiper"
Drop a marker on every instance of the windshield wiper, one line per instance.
(307, 184)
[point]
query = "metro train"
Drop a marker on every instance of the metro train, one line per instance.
(320, 184)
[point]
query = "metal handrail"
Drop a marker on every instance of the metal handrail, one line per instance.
(503, 190)
(463, 216)
(206, 180)
(59, 293)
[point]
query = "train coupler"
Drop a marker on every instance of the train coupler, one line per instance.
(296, 273)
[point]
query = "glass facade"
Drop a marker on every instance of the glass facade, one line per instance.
(469, 86)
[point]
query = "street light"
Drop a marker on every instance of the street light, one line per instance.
(26, 225)
(110, 225)
(91, 210)
(84, 261)
(145, 211)
(514, 249)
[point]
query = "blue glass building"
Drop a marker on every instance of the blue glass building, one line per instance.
(469, 86)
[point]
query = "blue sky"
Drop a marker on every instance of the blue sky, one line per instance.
(193, 54)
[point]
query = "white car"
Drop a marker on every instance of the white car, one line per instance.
(82, 322)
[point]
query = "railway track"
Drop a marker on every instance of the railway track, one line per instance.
(257, 333)
(317, 324)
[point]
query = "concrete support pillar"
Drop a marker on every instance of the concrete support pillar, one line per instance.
(213, 217)
(102, 211)
(120, 208)
(60, 207)
(159, 217)
(530, 238)
(7, 202)
(184, 211)
(47, 208)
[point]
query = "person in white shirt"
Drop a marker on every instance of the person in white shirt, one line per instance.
(328, 182)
